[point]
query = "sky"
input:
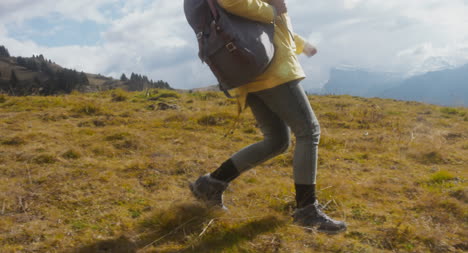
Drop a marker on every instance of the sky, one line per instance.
(111, 37)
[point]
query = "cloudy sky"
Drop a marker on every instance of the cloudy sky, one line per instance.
(152, 37)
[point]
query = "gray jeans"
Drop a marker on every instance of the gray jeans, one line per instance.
(276, 110)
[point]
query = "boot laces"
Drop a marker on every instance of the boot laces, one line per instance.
(321, 214)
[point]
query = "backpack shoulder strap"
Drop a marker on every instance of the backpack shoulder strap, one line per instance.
(213, 9)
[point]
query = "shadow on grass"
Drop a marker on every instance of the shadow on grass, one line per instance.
(182, 224)
(216, 242)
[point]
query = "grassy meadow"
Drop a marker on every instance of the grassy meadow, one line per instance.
(108, 172)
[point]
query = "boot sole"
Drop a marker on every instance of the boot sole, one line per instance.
(332, 232)
(316, 228)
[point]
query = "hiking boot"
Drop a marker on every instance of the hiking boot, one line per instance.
(312, 216)
(209, 190)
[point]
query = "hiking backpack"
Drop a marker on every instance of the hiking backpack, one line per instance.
(236, 49)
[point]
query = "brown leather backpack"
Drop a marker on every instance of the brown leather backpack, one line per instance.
(236, 49)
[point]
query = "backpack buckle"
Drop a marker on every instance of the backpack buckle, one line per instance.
(231, 47)
(199, 35)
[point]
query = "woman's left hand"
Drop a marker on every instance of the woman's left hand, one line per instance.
(309, 49)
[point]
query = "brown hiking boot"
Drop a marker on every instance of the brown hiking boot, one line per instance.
(312, 216)
(209, 190)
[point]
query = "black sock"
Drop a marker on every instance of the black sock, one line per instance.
(226, 172)
(305, 195)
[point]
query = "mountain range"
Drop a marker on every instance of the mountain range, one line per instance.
(448, 87)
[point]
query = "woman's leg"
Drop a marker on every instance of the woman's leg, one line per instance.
(276, 141)
(275, 109)
(210, 187)
(276, 137)
(290, 103)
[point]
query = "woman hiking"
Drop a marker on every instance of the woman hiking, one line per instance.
(278, 103)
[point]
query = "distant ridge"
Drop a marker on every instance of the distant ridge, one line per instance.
(444, 87)
(448, 87)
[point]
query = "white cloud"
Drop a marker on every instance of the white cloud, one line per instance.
(21, 10)
(351, 4)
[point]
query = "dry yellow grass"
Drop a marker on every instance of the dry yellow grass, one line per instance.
(108, 172)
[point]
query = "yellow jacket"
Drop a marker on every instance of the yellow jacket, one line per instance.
(285, 66)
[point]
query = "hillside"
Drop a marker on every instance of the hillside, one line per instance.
(108, 172)
(37, 75)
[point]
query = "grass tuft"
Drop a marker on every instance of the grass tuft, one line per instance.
(87, 108)
(71, 154)
(428, 158)
(441, 177)
(45, 159)
(205, 96)
(452, 111)
(117, 136)
(460, 194)
(216, 119)
(13, 141)
(433, 157)
(119, 95)
(165, 94)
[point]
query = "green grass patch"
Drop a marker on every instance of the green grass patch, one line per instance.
(452, 111)
(134, 213)
(441, 177)
(205, 96)
(161, 95)
(78, 225)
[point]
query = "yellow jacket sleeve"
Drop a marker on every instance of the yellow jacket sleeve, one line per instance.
(257, 10)
(300, 43)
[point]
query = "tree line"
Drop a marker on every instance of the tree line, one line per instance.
(4, 52)
(139, 82)
(48, 79)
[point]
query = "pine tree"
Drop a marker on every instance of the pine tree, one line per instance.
(83, 79)
(21, 61)
(123, 78)
(4, 52)
(13, 82)
(13, 78)
(37, 81)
